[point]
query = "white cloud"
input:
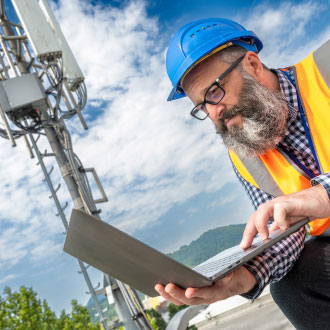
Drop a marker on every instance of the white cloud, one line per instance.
(224, 200)
(285, 31)
(149, 152)
(108, 42)
(9, 278)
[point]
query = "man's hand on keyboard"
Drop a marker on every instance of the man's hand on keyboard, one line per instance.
(286, 210)
(237, 282)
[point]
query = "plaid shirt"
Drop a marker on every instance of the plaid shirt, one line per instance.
(275, 262)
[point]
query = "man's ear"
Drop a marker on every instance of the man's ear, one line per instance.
(253, 66)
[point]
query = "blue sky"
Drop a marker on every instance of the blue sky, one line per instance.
(167, 176)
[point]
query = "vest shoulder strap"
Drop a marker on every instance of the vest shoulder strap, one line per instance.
(321, 59)
(261, 178)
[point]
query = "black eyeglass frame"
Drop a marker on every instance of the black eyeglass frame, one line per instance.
(216, 83)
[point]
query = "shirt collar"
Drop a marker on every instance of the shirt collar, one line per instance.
(288, 91)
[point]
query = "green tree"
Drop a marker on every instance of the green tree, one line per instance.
(80, 319)
(23, 311)
(156, 319)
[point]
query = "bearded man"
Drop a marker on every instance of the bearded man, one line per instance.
(276, 125)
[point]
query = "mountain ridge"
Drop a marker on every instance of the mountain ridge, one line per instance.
(208, 244)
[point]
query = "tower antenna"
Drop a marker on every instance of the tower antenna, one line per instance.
(41, 87)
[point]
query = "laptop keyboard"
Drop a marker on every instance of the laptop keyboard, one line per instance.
(212, 267)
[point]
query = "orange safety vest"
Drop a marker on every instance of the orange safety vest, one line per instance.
(274, 172)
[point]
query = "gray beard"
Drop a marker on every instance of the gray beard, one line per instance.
(264, 114)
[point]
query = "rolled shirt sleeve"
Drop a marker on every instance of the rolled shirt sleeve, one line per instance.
(324, 180)
(274, 263)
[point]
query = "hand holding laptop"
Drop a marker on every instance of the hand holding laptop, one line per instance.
(239, 281)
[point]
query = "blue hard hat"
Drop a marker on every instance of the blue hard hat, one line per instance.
(193, 41)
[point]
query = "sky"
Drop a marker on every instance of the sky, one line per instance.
(167, 176)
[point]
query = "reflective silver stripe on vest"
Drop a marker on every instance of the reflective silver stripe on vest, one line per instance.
(265, 181)
(322, 60)
(261, 176)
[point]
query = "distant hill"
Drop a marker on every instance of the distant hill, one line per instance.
(208, 244)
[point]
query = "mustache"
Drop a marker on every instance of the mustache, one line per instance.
(228, 114)
(246, 111)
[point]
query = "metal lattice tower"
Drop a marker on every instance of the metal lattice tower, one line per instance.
(50, 98)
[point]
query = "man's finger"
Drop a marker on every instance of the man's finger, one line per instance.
(180, 295)
(262, 216)
(281, 210)
(273, 227)
(208, 294)
(203, 293)
(249, 233)
(161, 290)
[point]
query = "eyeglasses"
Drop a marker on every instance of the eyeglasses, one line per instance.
(213, 95)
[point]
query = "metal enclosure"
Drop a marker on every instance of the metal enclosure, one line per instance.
(46, 36)
(23, 91)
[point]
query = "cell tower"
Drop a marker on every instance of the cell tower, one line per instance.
(41, 87)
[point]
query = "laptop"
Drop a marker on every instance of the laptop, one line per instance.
(142, 267)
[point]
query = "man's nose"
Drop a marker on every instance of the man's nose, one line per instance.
(215, 111)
